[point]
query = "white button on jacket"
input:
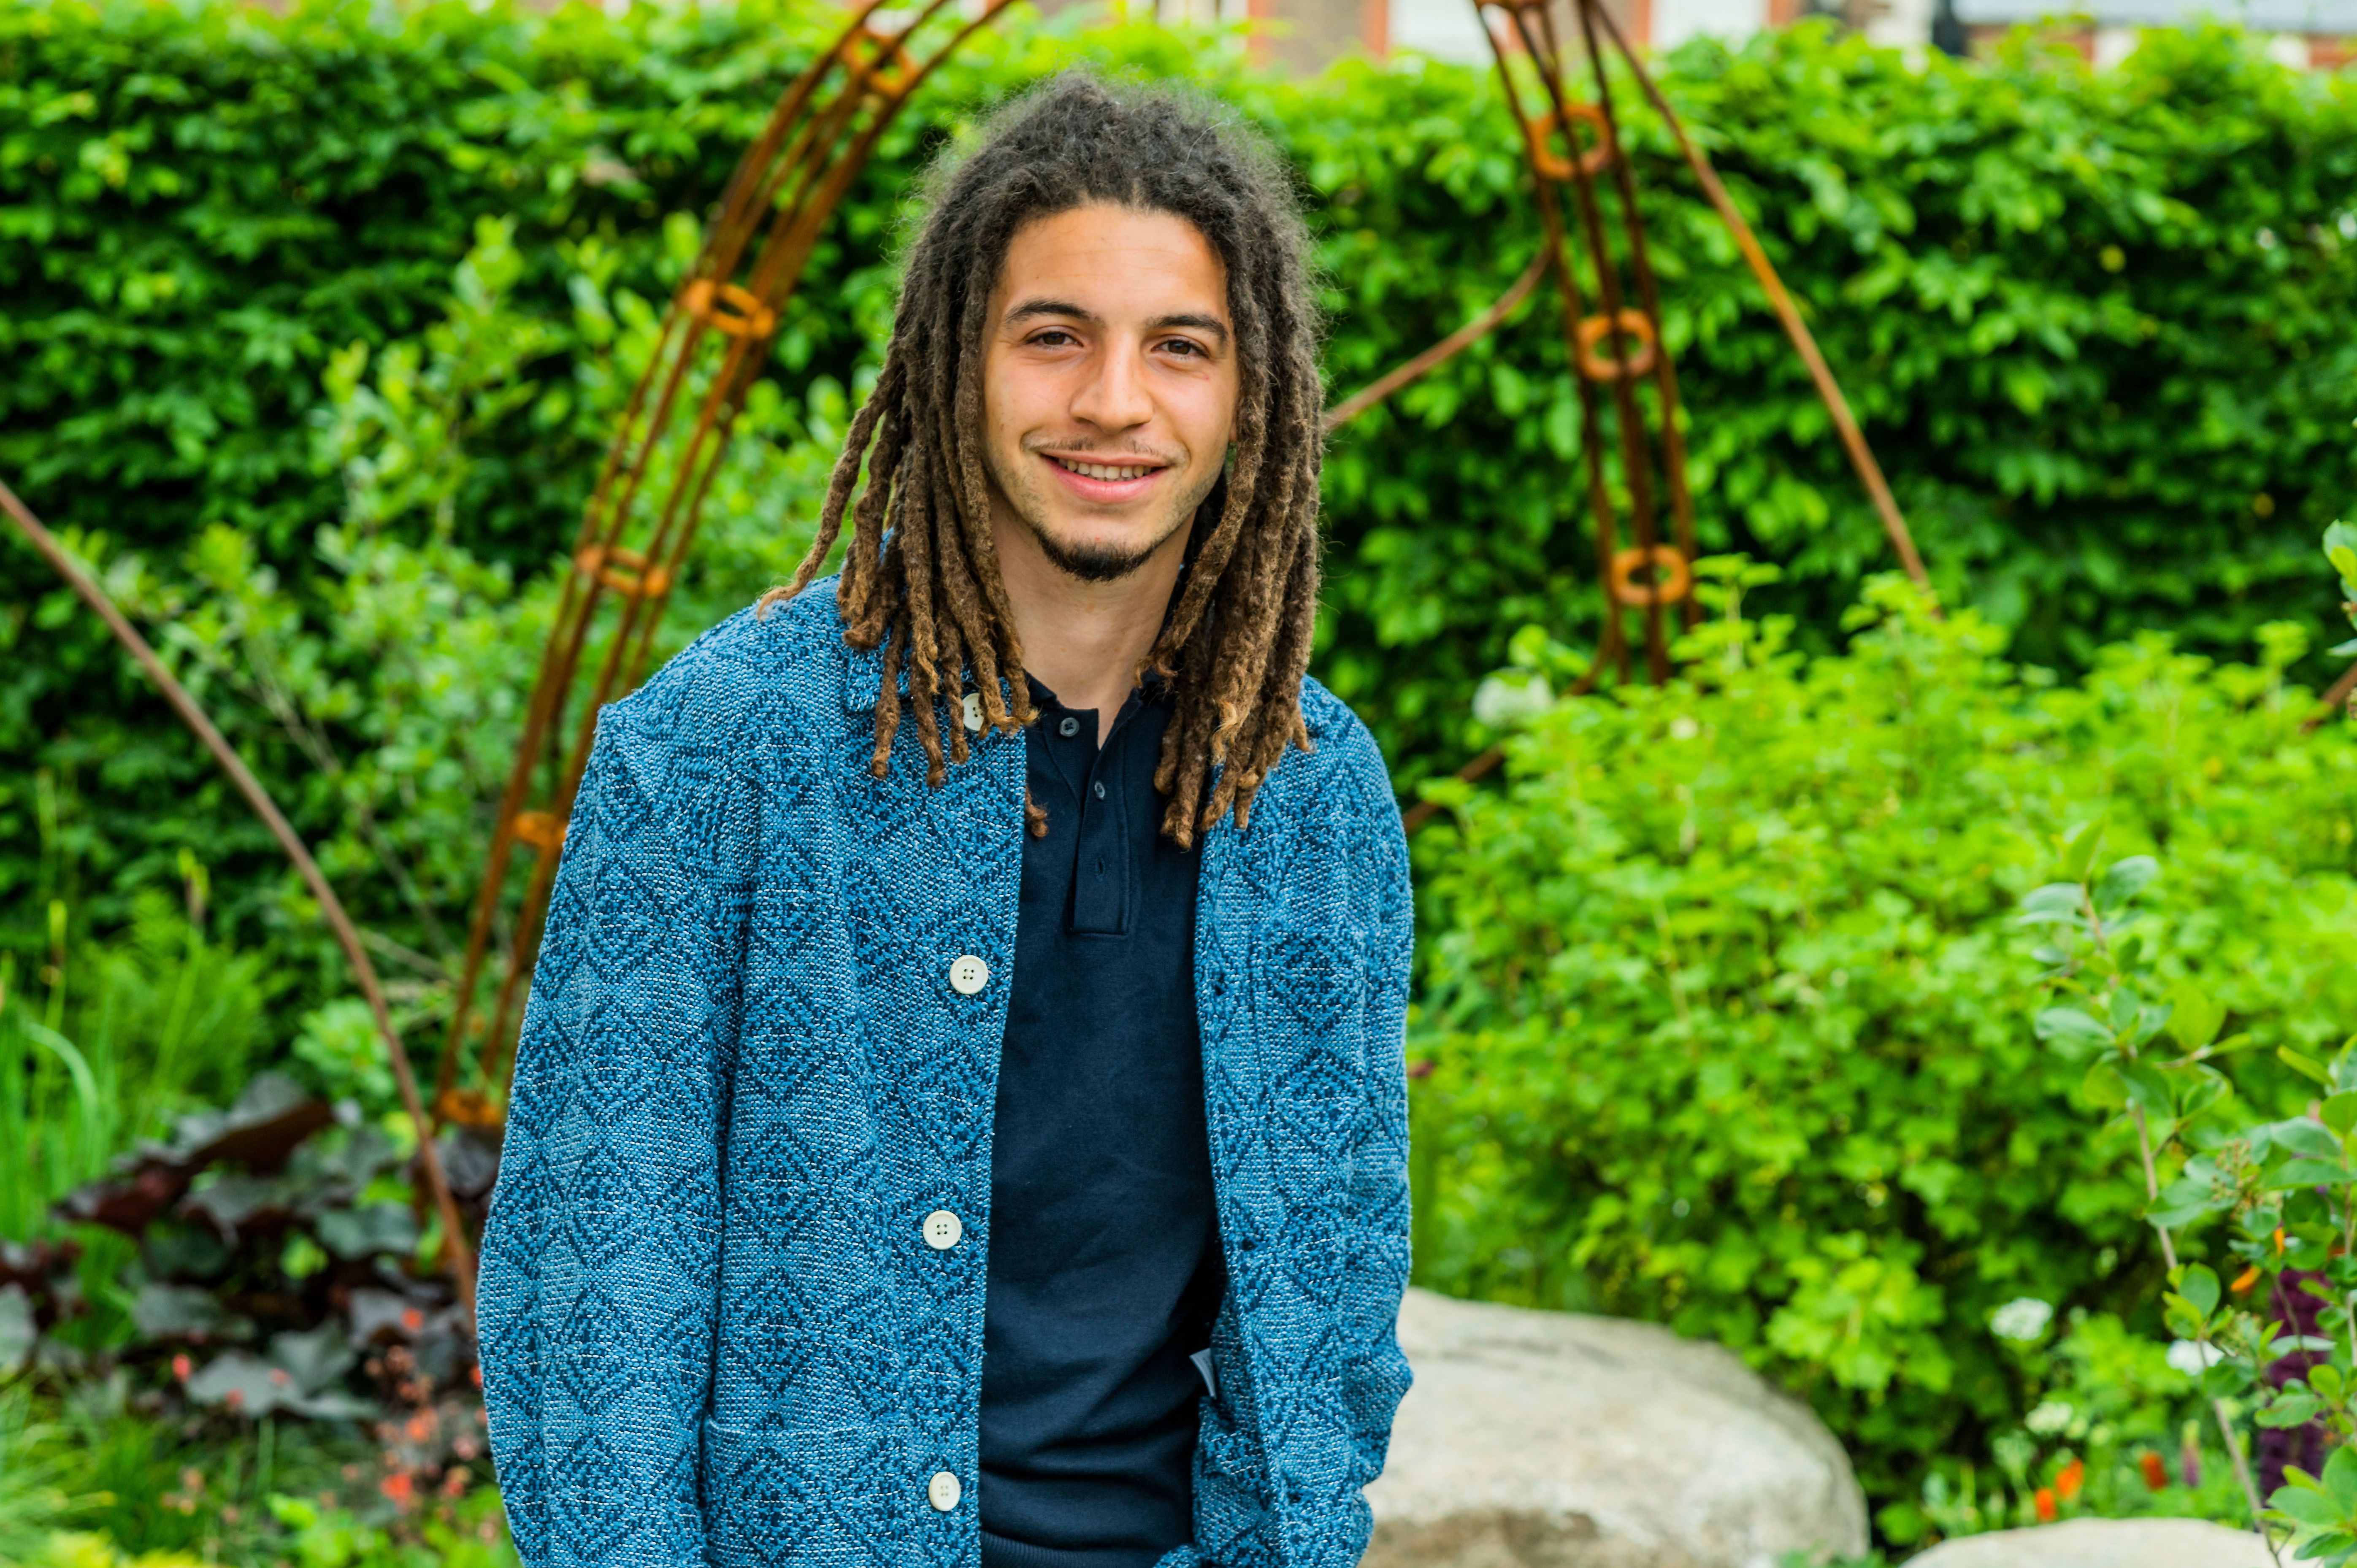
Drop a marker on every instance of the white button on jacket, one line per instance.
(968, 975)
(943, 1230)
(943, 1492)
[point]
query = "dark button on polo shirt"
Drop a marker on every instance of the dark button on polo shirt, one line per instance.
(1104, 1266)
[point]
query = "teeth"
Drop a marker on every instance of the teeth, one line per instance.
(1103, 470)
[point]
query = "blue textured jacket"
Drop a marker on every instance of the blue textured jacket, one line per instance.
(759, 1056)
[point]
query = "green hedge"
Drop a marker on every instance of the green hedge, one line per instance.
(2102, 328)
(1727, 1013)
(313, 326)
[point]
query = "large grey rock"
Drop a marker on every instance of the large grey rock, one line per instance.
(1549, 1440)
(2103, 1544)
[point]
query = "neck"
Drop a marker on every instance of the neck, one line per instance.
(1083, 640)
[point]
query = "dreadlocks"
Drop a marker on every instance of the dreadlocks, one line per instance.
(922, 579)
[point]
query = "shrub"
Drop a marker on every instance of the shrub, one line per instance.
(2104, 361)
(1724, 1010)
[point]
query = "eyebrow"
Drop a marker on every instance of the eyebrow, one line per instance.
(1031, 308)
(1211, 324)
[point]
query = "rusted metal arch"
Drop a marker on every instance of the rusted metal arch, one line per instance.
(718, 331)
(792, 178)
(458, 1257)
(1622, 342)
(1526, 29)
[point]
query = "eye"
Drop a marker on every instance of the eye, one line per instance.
(1051, 337)
(1185, 347)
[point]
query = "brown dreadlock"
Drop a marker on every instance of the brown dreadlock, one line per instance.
(922, 577)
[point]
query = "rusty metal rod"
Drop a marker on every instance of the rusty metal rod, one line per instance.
(2336, 696)
(1636, 450)
(331, 908)
(1649, 300)
(1481, 768)
(1441, 353)
(1853, 439)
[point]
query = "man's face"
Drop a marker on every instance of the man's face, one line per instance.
(1109, 385)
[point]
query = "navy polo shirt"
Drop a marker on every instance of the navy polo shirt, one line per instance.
(1104, 1266)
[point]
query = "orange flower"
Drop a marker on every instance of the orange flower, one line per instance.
(398, 1487)
(2245, 1280)
(181, 1367)
(2156, 1473)
(2045, 1503)
(2074, 1476)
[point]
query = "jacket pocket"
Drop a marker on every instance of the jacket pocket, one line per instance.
(798, 1494)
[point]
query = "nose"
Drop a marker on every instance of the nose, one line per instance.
(1115, 397)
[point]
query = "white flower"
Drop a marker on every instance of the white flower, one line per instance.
(2022, 1320)
(2049, 1418)
(2192, 1357)
(1510, 697)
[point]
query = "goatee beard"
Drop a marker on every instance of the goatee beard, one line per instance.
(1091, 562)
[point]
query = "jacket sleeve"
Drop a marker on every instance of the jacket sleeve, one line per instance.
(600, 1261)
(1375, 1372)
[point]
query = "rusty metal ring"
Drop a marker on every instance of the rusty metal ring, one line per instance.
(1592, 162)
(728, 308)
(880, 60)
(1634, 324)
(539, 828)
(1671, 588)
(624, 571)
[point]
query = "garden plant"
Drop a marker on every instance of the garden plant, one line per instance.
(1729, 1014)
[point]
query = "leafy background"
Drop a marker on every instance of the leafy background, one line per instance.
(2101, 329)
(315, 326)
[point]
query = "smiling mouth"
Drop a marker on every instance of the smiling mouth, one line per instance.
(1115, 472)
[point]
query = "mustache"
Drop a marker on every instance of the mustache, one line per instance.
(1084, 451)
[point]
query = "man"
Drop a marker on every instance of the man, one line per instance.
(989, 1151)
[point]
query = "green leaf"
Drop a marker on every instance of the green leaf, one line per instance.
(2227, 1380)
(2333, 1549)
(2079, 848)
(2299, 1135)
(2071, 1026)
(2340, 1112)
(2208, 1088)
(2149, 1087)
(2103, 1088)
(2288, 1410)
(2194, 1018)
(2174, 1214)
(2341, 549)
(2302, 1505)
(2124, 880)
(2306, 1065)
(2308, 1173)
(2341, 1479)
(2198, 1286)
(2055, 902)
